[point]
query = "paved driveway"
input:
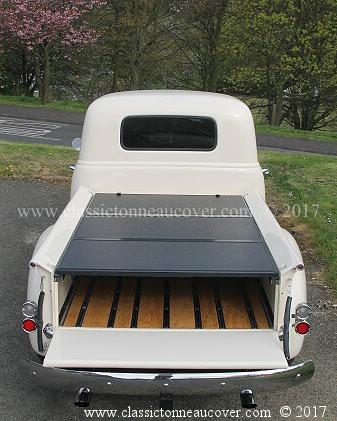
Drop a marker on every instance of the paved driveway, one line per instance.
(21, 400)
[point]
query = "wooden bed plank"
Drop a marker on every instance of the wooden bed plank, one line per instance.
(99, 306)
(125, 303)
(255, 300)
(181, 304)
(76, 304)
(209, 316)
(233, 305)
(151, 303)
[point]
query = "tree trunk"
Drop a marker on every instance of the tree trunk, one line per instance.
(215, 43)
(214, 74)
(308, 114)
(295, 116)
(115, 74)
(276, 114)
(46, 77)
(134, 78)
(17, 85)
(114, 86)
(271, 102)
(38, 75)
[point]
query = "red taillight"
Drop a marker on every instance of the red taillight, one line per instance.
(302, 328)
(29, 325)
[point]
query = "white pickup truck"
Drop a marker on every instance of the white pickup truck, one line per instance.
(167, 273)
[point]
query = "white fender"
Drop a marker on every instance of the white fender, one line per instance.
(299, 296)
(34, 284)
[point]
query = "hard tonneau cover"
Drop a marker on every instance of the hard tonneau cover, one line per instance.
(167, 235)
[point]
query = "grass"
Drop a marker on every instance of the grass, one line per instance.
(65, 105)
(297, 186)
(305, 190)
(30, 160)
(326, 136)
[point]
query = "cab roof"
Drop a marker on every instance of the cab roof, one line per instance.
(236, 142)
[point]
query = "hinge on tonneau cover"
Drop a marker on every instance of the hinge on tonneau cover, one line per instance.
(275, 280)
(58, 277)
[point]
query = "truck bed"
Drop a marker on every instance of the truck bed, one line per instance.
(176, 303)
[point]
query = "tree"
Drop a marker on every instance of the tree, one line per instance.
(311, 94)
(46, 29)
(263, 35)
(17, 72)
(286, 53)
(199, 31)
(134, 45)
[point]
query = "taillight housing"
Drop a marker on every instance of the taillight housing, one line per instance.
(302, 311)
(302, 328)
(29, 325)
(301, 325)
(29, 309)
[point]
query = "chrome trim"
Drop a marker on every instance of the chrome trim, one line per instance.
(76, 143)
(280, 334)
(34, 305)
(201, 383)
(48, 331)
(307, 308)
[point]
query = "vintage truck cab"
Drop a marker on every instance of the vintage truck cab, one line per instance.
(167, 273)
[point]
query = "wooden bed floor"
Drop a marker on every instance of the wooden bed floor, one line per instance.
(177, 303)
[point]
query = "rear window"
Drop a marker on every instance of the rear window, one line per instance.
(168, 133)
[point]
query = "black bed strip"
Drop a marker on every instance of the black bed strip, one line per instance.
(136, 303)
(67, 302)
(249, 308)
(265, 304)
(85, 303)
(114, 305)
(218, 306)
(286, 327)
(39, 321)
(196, 302)
(166, 313)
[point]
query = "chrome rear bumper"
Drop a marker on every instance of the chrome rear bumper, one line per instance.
(201, 383)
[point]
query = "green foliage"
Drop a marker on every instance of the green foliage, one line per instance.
(287, 54)
(65, 105)
(281, 51)
(135, 45)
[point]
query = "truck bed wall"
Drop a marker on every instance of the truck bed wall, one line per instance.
(162, 179)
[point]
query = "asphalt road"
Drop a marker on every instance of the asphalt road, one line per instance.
(33, 131)
(37, 125)
(22, 400)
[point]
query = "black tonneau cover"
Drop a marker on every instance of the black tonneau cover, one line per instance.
(167, 235)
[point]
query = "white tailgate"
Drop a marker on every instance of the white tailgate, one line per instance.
(165, 349)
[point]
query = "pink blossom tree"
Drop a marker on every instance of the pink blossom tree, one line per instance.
(47, 29)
